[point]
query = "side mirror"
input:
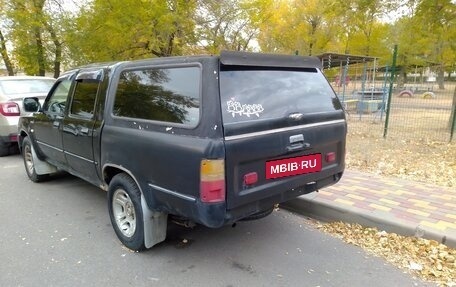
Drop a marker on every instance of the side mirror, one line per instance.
(31, 105)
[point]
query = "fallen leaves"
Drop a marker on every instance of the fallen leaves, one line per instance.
(415, 159)
(428, 259)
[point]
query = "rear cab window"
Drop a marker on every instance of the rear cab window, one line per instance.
(166, 95)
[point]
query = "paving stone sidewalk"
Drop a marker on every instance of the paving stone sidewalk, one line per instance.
(391, 204)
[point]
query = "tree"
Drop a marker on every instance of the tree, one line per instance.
(3, 41)
(317, 26)
(427, 37)
(229, 24)
(129, 29)
(306, 26)
(43, 36)
(5, 56)
(437, 20)
(363, 32)
(27, 35)
(35, 40)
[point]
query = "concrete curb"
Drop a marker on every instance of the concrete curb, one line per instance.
(328, 212)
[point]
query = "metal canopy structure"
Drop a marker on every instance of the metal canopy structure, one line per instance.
(365, 100)
(333, 60)
(343, 61)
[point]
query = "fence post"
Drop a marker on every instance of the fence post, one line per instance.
(452, 122)
(390, 92)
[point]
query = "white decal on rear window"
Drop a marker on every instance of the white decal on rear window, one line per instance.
(236, 108)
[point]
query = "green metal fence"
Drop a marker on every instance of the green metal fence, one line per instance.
(419, 112)
(376, 102)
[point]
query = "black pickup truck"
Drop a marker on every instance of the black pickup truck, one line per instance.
(206, 139)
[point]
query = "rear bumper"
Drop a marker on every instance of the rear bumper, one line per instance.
(8, 128)
(216, 215)
(9, 139)
(243, 211)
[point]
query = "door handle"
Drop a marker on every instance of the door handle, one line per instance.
(298, 146)
(84, 130)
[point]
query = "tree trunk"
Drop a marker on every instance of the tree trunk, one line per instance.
(401, 78)
(40, 52)
(441, 77)
(40, 57)
(57, 60)
(58, 49)
(453, 111)
(4, 53)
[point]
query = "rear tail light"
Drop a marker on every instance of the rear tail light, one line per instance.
(330, 157)
(212, 187)
(9, 109)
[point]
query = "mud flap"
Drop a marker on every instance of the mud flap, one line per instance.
(155, 225)
(42, 167)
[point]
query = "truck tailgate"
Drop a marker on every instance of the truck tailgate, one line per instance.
(284, 132)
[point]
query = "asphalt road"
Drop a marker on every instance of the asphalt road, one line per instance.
(58, 233)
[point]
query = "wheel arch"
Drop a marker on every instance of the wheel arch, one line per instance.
(111, 170)
(155, 222)
(22, 134)
(41, 167)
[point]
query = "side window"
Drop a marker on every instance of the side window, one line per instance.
(167, 94)
(83, 102)
(57, 101)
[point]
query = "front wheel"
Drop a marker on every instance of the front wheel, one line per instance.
(27, 155)
(124, 203)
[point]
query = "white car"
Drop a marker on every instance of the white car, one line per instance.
(12, 90)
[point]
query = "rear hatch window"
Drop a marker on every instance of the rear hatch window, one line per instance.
(256, 95)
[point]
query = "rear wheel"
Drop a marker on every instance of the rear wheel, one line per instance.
(27, 155)
(125, 211)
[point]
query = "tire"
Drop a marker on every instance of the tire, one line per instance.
(8, 148)
(125, 211)
(28, 162)
(428, 95)
(407, 93)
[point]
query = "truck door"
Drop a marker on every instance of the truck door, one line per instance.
(48, 124)
(78, 126)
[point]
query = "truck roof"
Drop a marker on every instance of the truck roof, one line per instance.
(269, 60)
(227, 58)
